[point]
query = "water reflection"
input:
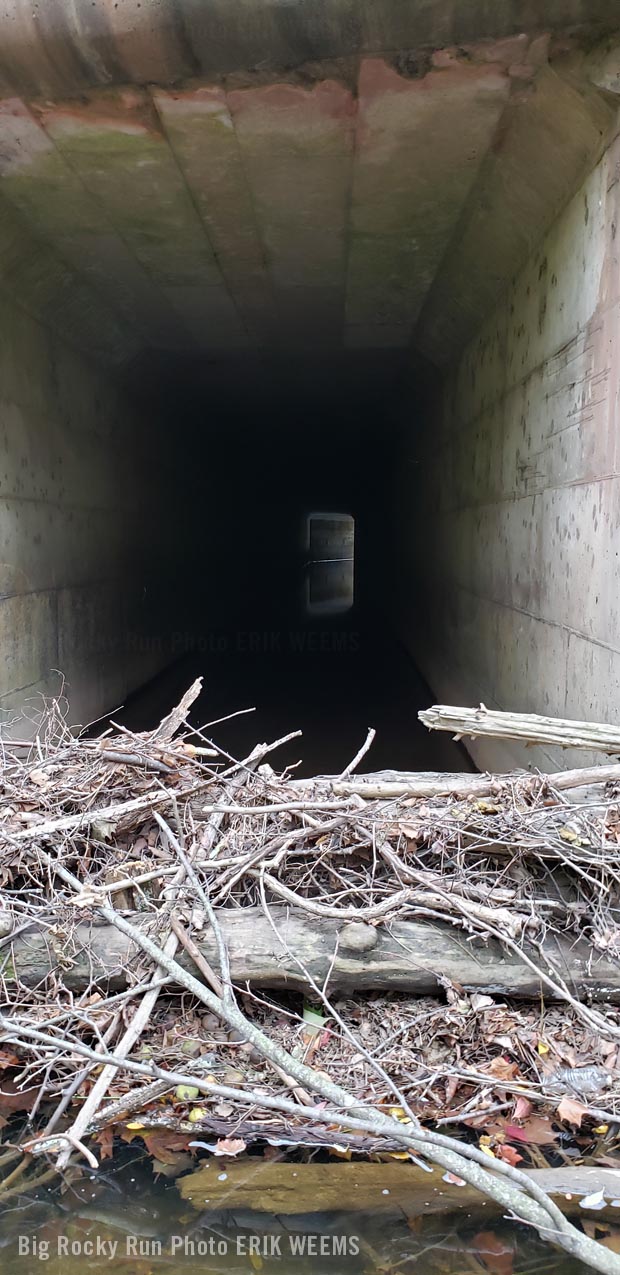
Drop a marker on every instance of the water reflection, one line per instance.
(131, 1224)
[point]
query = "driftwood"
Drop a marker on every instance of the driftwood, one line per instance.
(435, 784)
(527, 727)
(168, 728)
(406, 956)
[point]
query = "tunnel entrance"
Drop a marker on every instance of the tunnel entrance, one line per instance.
(365, 267)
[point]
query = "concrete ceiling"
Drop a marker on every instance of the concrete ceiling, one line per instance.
(211, 185)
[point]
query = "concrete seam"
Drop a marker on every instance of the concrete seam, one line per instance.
(52, 248)
(152, 283)
(539, 619)
(255, 217)
(198, 212)
(354, 163)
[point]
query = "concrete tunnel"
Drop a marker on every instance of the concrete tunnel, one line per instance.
(270, 261)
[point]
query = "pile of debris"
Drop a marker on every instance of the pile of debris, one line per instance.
(205, 953)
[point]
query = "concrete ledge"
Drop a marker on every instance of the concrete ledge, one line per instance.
(73, 44)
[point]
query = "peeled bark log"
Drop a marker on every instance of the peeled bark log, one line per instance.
(407, 956)
(530, 728)
(435, 784)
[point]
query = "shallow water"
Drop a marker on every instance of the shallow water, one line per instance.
(330, 677)
(125, 1222)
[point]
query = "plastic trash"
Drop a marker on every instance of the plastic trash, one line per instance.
(585, 1082)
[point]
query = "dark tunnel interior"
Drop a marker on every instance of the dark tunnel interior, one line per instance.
(258, 448)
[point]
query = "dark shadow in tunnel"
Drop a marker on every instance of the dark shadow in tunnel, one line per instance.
(257, 450)
(330, 679)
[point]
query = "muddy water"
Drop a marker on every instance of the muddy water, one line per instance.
(124, 1222)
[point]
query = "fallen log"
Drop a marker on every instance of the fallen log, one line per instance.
(373, 1188)
(529, 728)
(461, 786)
(409, 956)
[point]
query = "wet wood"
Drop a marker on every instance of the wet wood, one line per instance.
(410, 956)
(386, 1187)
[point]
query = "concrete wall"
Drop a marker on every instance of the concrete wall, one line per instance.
(508, 509)
(79, 520)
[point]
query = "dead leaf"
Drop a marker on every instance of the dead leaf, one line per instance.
(485, 1145)
(174, 1165)
(13, 1098)
(536, 1130)
(232, 1076)
(493, 1252)
(102, 829)
(523, 1109)
(509, 1154)
(186, 1093)
(604, 1233)
(502, 1042)
(399, 1113)
(8, 1059)
(161, 1144)
(478, 1001)
(105, 1142)
(571, 1111)
(569, 834)
(500, 1069)
(40, 778)
(229, 1146)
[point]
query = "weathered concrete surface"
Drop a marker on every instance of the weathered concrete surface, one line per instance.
(76, 554)
(551, 131)
(516, 602)
(420, 143)
(237, 182)
(70, 45)
(329, 180)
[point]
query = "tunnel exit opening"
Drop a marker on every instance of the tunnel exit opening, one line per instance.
(330, 568)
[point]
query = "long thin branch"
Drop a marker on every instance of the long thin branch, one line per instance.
(346, 1102)
(171, 942)
(515, 1193)
(459, 786)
